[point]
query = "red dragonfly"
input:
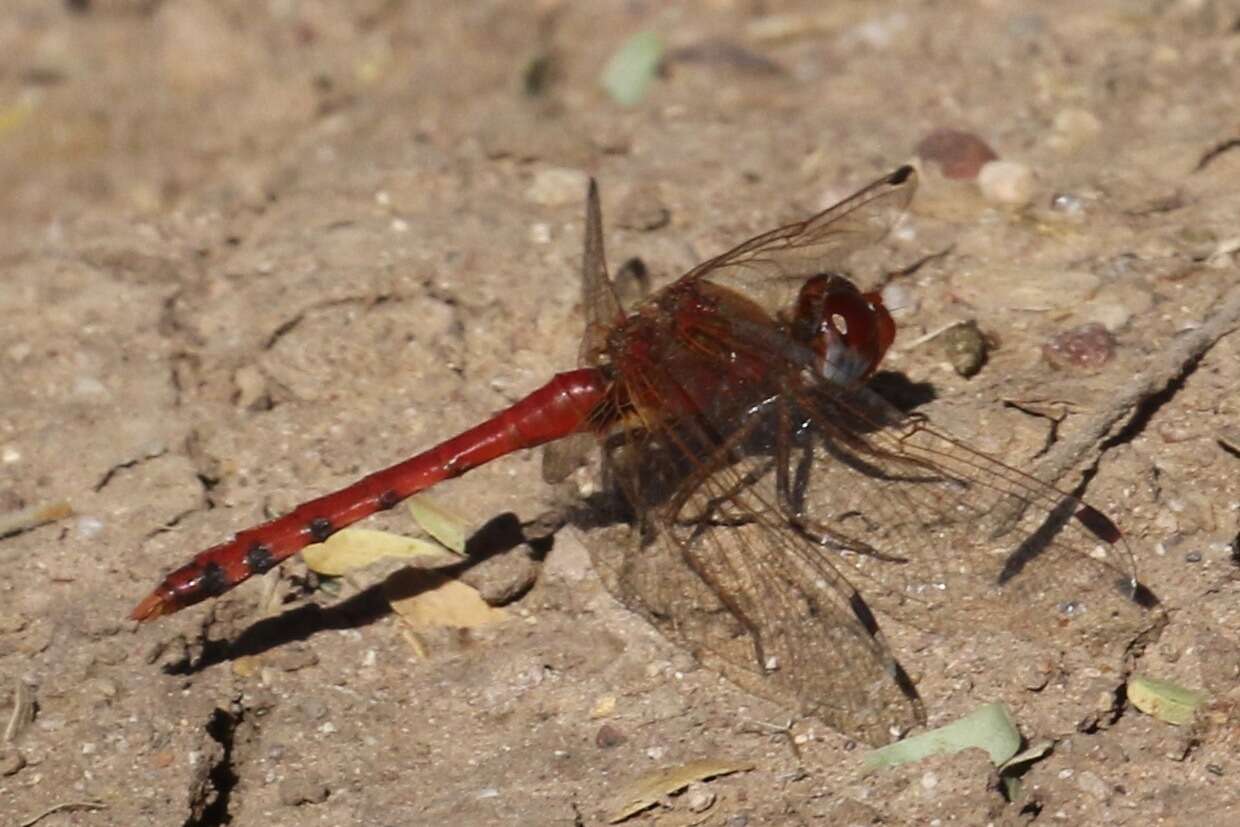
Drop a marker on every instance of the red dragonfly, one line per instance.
(758, 487)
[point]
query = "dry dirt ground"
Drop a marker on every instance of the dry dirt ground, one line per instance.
(252, 251)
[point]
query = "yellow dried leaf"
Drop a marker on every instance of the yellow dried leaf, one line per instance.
(426, 598)
(648, 789)
(355, 548)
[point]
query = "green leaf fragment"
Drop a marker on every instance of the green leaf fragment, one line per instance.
(630, 70)
(1166, 701)
(447, 528)
(989, 727)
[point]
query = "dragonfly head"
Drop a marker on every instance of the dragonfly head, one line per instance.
(847, 330)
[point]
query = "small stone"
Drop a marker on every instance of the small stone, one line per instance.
(1087, 347)
(965, 348)
(1068, 204)
(1073, 128)
(557, 186)
(699, 798)
(297, 791)
(1111, 315)
(958, 154)
(609, 736)
(1006, 182)
(293, 657)
(604, 707)
(502, 578)
(251, 387)
(11, 622)
(643, 210)
(11, 762)
(1093, 785)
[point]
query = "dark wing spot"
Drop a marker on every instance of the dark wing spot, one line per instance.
(1098, 523)
(320, 529)
(214, 580)
(258, 558)
(388, 499)
(900, 175)
(863, 613)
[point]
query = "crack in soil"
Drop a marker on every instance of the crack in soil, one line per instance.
(211, 792)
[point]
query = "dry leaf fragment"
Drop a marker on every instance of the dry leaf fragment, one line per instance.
(446, 527)
(355, 548)
(424, 599)
(646, 790)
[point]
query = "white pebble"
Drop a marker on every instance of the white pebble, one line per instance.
(89, 386)
(1006, 182)
(88, 527)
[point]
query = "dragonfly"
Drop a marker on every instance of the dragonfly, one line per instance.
(763, 506)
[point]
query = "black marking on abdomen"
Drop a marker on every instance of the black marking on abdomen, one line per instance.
(320, 528)
(214, 580)
(258, 559)
(388, 499)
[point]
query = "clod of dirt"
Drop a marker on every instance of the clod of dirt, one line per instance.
(643, 210)
(11, 762)
(958, 154)
(1087, 347)
(608, 736)
(965, 348)
(295, 792)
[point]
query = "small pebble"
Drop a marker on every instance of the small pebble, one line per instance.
(958, 154)
(1065, 203)
(557, 186)
(88, 527)
(1111, 315)
(1006, 182)
(1192, 557)
(699, 798)
(898, 298)
(929, 781)
(1093, 785)
(1074, 128)
(608, 736)
(89, 386)
(297, 791)
(251, 387)
(1087, 347)
(293, 658)
(11, 762)
(965, 348)
(643, 210)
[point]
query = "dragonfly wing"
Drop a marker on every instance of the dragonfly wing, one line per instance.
(599, 301)
(772, 266)
(718, 569)
(938, 534)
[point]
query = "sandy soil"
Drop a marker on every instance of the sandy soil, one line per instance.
(253, 251)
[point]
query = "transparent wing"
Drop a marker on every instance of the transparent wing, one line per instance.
(599, 301)
(770, 266)
(719, 570)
